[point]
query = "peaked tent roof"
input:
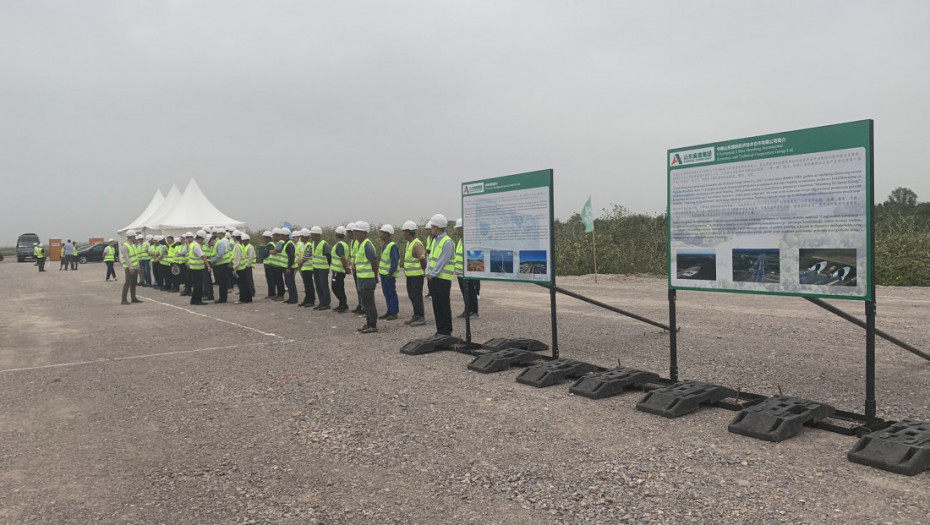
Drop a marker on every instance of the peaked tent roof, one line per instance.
(171, 200)
(194, 210)
(156, 201)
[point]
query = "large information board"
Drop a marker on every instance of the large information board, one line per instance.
(787, 213)
(507, 228)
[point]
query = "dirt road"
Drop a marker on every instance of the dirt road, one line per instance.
(158, 413)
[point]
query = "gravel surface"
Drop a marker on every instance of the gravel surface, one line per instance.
(268, 413)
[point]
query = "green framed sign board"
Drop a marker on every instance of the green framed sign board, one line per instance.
(786, 214)
(507, 228)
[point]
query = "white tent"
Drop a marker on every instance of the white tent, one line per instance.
(150, 225)
(154, 204)
(193, 210)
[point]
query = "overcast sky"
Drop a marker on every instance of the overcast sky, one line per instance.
(324, 112)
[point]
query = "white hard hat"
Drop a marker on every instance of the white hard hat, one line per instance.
(388, 229)
(111, 240)
(285, 231)
(131, 233)
(340, 230)
(236, 233)
(158, 237)
(202, 234)
(267, 233)
(304, 232)
(409, 225)
(316, 229)
(439, 220)
(429, 225)
(350, 226)
(458, 222)
(189, 234)
(148, 237)
(230, 228)
(362, 226)
(277, 231)
(245, 237)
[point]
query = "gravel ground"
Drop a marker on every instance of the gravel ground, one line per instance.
(154, 413)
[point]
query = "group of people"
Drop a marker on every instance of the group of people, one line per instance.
(225, 257)
(69, 257)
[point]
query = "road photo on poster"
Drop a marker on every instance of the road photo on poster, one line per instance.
(697, 265)
(827, 267)
(756, 265)
(507, 227)
(762, 205)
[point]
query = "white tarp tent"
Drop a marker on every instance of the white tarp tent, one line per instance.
(154, 204)
(150, 225)
(192, 211)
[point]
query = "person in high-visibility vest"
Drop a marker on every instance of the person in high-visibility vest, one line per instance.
(221, 260)
(240, 267)
(39, 252)
(197, 265)
(322, 260)
(146, 261)
(353, 247)
(267, 246)
(366, 269)
(389, 269)
(305, 266)
(65, 258)
(414, 266)
(468, 287)
(109, 257)
(129, 257)
(340, 263)
(440, 271)
(430, 242)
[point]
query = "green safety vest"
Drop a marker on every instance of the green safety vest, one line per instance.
(363, 268)
(228, 255)
(319, 258)
(459, 257)
(39, 252)
(412, 266)
(133, 255)
(273, 259)
(386, 261)
(243, 260)
(284, 255)
(336, 265)
(307, 255)
(194, 262)
(109, 254)
(447, 271)
(163, 250)
(145, 252)
(353, 247)
(250, 255)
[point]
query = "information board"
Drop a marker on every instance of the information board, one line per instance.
(787, 213)
(507, 228)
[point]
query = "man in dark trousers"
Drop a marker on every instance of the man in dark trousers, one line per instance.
(197, 265)
(440, 271)
(414, 266)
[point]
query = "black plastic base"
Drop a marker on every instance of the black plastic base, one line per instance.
(682, 398)
(500, 343)
(553, 372)
(902, 448)
(502, 360)
(611, 382)
(430, 344)
(778, 418)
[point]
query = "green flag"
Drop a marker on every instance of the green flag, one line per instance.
(587, 217)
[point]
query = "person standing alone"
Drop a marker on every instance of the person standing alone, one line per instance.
(109, 257)
(129, 256)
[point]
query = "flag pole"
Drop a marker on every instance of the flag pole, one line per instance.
(594, 238)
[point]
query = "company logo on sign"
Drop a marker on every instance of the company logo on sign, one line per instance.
(692, 156)
(477, 187)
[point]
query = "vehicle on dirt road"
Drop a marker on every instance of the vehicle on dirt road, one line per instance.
(26, 246)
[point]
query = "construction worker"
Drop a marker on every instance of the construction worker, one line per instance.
(209, 250)
(322, 259)
(64, 257)
(145, 261)
(197, 265)
(468, 287)
(389, 269)
(180, 259)
(305, 264)
(129, 256)
(366, 262)
(289, 253)
(339, 264)
(221, 259)
(439, 271)
(353, 247)
(109, 257)
(39, 252)
(430, 242)
(414, 266)
(240, 266)
(267, 246)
